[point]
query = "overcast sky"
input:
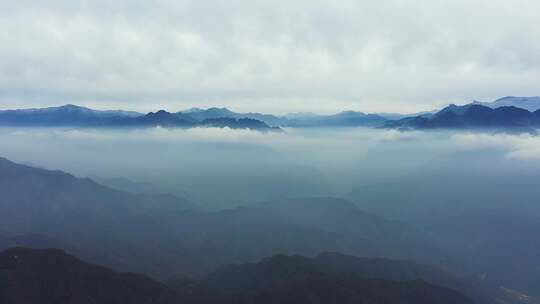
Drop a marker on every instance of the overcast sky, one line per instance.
(273, 56)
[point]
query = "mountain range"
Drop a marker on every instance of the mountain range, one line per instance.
(508, 113)
(298, 120)
(75, 116)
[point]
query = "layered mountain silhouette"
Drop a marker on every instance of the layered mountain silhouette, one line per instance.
(279, 271)
(508, 113)
(299, 120)
(473, 116)
(198, 114)
(87, 215)
(342, 119)
(75, 116)
(164, 236)
(491, 209)
(52, 276)
(80, 212)
(68, 115)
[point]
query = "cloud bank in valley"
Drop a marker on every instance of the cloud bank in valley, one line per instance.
(245, 166)
(275, 56)
(520, 147)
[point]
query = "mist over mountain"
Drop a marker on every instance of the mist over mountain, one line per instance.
(85, 214)
(494, 207)
(108, 226)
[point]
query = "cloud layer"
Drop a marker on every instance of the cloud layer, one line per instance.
(275, 56)
(520, 147)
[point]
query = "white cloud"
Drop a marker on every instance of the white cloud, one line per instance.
(273, 56)
(522, 147)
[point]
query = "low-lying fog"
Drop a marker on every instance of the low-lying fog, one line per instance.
(384, 171)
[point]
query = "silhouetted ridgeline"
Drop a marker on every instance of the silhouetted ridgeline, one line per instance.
(33, 276)
(474, 116)
(75, 116)
(517, 114)
(49, 276)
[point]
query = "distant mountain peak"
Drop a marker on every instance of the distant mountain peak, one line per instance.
(74, 106)
(161, 112)
(528, 103)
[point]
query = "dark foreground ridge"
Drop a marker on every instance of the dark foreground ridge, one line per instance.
(51, 276)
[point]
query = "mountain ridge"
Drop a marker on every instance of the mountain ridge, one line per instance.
(46, 276)
(77, 116)
(72, 115)
(474, 116)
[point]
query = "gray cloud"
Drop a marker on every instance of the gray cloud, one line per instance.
(272, 56)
